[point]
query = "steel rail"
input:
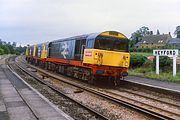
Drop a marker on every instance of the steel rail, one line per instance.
(158, 110)
(60, 92)
(151, 98)
(145, 108)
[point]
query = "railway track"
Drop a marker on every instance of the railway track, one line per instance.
(159, 89)
(156, 99)
(101, 116)
(151, 110)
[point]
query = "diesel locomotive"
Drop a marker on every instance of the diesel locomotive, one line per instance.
(88, 57)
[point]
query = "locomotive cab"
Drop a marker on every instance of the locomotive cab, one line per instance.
(107, 49)
(108, 52)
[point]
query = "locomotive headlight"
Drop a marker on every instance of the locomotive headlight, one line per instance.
(95, 56)
(126, 63)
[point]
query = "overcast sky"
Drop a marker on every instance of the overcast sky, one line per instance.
(36, 21)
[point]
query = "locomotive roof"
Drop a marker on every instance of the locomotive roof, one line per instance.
(92, 36)
(86, 36)
(73, 38)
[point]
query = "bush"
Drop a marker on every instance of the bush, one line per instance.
(131, 49)
(140, 50)
(147, 50)
(137, 60)
(165, 63)
(1, 51)
(6, 49)
(148, 64)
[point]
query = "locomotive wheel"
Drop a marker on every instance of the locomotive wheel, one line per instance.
(91, 80)
(46, 65)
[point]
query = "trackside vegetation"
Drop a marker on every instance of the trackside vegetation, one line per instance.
(141, 66)
(11, 49)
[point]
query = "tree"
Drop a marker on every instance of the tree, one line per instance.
(137, 36)
(177, 32)
(20, 50)
(6, 49)
(1, 51)
(158, 33)
(0, 42)
(14, 44)
(11, 49)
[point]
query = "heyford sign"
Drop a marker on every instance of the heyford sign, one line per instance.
(166, 52)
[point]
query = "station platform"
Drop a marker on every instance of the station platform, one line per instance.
(19, 101)
(166, 85)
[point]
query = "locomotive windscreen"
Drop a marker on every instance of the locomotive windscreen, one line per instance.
(111, 43)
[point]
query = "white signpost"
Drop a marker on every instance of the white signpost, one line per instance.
(166, 52)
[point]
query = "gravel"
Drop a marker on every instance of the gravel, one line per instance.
(110, 109)
(68, 106)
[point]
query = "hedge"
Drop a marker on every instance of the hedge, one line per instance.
(137, 60)
(165, 63)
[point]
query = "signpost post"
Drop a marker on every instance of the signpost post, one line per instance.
(157, 64)
(166, 52)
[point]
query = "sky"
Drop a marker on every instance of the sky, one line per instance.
(36, 21)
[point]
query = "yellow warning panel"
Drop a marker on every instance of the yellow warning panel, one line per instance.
(27, 51)
(105, 57)
(44, 51)
(114, 34)
(34, 50)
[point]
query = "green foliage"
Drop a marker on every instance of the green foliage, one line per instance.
(148, 64)
(147, 50)
(11, 49)
(165, 63)
(147, 68)
(177, 32)
(137, 36)
(147, 72)
(171, 47)
(139, 49)
(131, 49)
(132, 43)
(142, 53)
(7, 49)
(20, 50)
(137, 60)
(1, 51)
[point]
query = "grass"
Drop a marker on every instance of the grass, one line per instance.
(149, 73)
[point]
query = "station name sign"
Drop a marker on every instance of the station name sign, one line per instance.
(166, 52)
